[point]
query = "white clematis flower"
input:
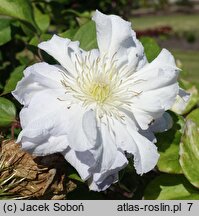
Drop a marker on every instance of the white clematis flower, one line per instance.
(97, 106)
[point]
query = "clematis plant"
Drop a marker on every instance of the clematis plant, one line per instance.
(97, 107)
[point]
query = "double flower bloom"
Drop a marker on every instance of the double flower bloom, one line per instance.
(98, 107)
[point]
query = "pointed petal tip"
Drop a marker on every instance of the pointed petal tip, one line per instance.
(167, 57)
(43, 44)
(97, 15)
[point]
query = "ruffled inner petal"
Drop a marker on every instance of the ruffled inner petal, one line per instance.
(144, 151)
(37, 78)
(112, 160)
(52, 117)
(110, 179)
(41, 145)
(156, 87)
(82, 168)
(101, 181)
(146, 157)
(116, 38)
(64, 51)
(109, 149)
(159, 73)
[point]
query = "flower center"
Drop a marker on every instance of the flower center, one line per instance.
(99, 91)
(100, 85)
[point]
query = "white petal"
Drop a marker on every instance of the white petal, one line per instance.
(63, 50)
(144, 151)
(157, 88)
(136, 56)
(150, 105)
(101, 181)
(157, 100)
(85, 162)
(82, 168)
(159, 73)
(182, 100)
(119, 163)
(37, 78)
(115, 37)
(146, 158)
(144, 118)
(166, 58)
(109, 151)
(81, 134)
(41, 146)
(37, 120)
(123, 138)
(52, 117)
(113, 33)
(41, 105)
(110, 162)
(89, 125)
(149, 135)
(104, 185)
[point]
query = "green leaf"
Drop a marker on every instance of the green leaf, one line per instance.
(27, 30)
(185, 84)
(168, 147)
(82, 18)
(7, 112)
(42, 20)
(194, 116)
(170, 187)
(86, 35)
(1, 86)
(25, 57)
(76, 177)
(189, 153)
(193, 101)
(36, 40)
(15, 76)
(5, 31)
(151, 48)
(84, 14)
(20, 9)
(68, 34)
